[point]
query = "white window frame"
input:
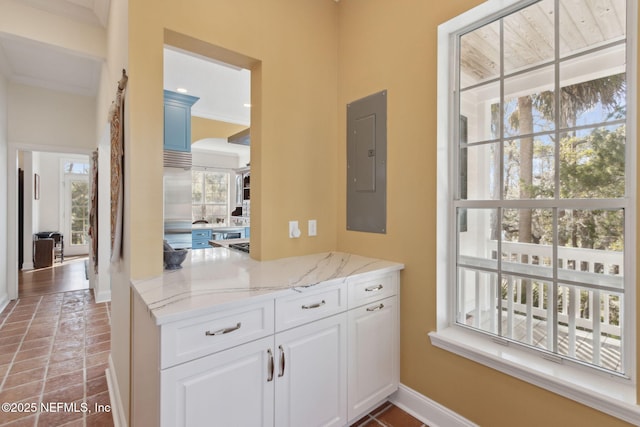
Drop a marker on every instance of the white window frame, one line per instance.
(229, 186)
(608, 393)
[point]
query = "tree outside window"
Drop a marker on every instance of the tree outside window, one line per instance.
(210, 196)
(542, 170)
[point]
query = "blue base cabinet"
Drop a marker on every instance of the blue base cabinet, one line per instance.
(200, 239)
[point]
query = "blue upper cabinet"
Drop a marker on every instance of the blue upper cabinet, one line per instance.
(177, 121)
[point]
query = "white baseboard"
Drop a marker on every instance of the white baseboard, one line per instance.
(426, 410)
(28, 266)
(4, 302)
(104, 296)
(117, 409)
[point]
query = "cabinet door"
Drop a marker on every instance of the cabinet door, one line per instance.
(177, 121)
(230, 388)
(311, 379)
(177, 127)
(374, 350)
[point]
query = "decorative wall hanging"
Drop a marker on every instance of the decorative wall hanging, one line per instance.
(116, 118)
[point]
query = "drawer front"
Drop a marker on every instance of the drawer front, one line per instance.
(368, 289)
(192, 338)
(200, 244)
(309, 305)
(201, 234)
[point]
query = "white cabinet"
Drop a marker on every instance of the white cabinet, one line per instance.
(299, 373)
(321, 356)
(311, 379)
(373, 355)
(230, 388)
(373, 341)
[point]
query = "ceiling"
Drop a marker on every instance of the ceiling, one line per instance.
(529, 36)
(223, 90)
(35, 63)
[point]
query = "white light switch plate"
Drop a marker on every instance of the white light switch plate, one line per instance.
(312, 227)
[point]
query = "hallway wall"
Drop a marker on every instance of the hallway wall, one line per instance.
(3, 191)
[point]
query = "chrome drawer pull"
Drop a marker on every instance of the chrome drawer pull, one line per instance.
(282, 361)
(373, 288)
(316, 305)
(377, 307)
(271, 367)
(223, 331)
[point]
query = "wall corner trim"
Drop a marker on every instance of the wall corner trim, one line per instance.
(117, 409)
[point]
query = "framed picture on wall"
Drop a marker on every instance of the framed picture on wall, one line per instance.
(36, 186)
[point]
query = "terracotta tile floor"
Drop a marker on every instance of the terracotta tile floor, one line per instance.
(388, 415)
(54, 350)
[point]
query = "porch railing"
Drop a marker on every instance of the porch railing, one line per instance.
(588, 322)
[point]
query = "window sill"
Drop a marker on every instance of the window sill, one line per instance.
(609, 394)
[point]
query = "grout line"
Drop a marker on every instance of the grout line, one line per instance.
(46, 370)
(15, 353)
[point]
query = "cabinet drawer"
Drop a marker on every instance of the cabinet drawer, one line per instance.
(192, 338)
(200, 244)
(201, 234)
(310, 305)
(368, 289)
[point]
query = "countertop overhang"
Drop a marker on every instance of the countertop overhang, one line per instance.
(225, 277)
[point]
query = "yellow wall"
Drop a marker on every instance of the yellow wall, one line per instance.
(393, 45)
(293, 46)
(309, 59)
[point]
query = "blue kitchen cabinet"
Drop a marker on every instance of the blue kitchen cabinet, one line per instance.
(200, 238)
(177, 121)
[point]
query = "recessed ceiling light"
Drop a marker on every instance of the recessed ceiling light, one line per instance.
(182, 90)
(246, 105)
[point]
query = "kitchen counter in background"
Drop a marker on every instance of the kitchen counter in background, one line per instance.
(225, 277)
(217, 227)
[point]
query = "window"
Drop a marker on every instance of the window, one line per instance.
(537, 183)
(76, 203)
(210, 195)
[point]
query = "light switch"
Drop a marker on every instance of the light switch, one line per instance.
(312, 227)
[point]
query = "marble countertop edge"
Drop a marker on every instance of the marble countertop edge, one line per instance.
(223, 278)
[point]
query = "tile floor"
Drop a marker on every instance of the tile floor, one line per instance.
(54, 351)
(388, 415)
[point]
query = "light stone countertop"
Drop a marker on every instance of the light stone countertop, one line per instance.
(217, 226)
(227, 278)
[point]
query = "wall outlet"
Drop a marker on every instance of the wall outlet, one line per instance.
(312, 227)
(294, 230)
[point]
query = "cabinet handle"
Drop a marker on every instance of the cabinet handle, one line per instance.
(373, 288)
(377, 307)
(270, 366)
(316, 305)
(282, 361)
(223, 331)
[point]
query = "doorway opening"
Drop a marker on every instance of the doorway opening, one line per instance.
(53, 222)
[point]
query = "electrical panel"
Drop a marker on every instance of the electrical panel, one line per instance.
(367, 164)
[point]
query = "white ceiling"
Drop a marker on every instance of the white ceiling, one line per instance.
(223, 90)
(39, 64)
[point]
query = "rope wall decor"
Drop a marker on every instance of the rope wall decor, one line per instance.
(116, 118)
(93, 211)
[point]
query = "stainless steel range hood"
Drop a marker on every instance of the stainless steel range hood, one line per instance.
(241, 138)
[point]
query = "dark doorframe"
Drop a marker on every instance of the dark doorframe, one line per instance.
(20, 218)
